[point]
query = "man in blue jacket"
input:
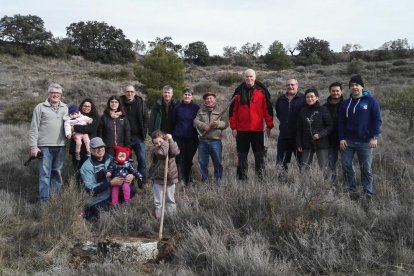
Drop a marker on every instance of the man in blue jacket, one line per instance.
(359, 125)
(93, 173)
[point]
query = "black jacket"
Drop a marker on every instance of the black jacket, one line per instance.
(313, 119)
(114, 131)
(333, 110)
(137, 114)
(287, 113)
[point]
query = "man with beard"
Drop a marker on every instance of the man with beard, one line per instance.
(332, 103)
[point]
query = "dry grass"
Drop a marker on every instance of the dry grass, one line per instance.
(292, 226)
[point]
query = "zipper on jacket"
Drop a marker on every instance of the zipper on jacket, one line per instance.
(116, 136)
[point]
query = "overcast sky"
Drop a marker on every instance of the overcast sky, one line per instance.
(220, 23)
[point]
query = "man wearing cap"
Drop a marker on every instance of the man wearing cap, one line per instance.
(210, 124)
(93, 173)
(359, 124)
(137, 114)
(185, 134)
(250, 111)
(47, 137)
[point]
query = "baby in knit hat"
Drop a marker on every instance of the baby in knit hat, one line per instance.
(76, 118)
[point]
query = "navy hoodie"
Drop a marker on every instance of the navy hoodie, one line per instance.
(359, 119)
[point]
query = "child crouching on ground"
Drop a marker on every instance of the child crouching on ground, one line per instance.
(163, 144)
(120, 167)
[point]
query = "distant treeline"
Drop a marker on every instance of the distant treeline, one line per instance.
(97, 41)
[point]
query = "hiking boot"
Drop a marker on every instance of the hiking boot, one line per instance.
(354, 196)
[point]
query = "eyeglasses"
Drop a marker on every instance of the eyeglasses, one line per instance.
(86, 105)
(187, 94)
(130, 91)
(115, 101)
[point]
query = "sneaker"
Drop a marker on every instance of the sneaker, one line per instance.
(77, 156)
(88, 153)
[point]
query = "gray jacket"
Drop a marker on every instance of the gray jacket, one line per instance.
(46, 128)
(204, 118)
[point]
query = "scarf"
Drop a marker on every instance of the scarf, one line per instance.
(210, 107)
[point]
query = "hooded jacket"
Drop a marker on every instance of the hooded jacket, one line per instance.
(158, 155)
(251, 108)
(359, 119)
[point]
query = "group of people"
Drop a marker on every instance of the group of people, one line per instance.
(101, 146)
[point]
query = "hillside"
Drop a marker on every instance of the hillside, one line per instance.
(282, 226)
(28, 76)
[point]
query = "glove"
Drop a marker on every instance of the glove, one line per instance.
(140, 183)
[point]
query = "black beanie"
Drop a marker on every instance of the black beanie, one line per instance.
(356, 79)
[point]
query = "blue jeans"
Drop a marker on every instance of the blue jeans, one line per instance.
(139, 148)
(50, 171)
(211, 148)
(364, 153)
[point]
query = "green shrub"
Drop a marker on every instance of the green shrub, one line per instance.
(229, 79)
(204, 87)
(356, 66)
(219, 60)
(402, 103)
(152, 96)
(108, 74)
(161, 67)
(399, 62)
(21, 112)
(300, 69)
(13, 50)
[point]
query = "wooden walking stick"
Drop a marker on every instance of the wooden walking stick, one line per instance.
(163, 197)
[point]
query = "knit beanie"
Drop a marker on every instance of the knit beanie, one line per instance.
(356, 79)
(73, 109)
(119, 149)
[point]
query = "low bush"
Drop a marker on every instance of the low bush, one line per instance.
(229, 79)
(356, 66)
(21, 112)
(110, 74)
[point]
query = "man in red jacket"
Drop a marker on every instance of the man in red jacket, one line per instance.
(248, 114)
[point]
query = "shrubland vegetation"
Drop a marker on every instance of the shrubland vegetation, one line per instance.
(289, 227)
(97, 41)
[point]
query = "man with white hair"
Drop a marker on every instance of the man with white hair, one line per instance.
(249, 112)
(47, 141)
